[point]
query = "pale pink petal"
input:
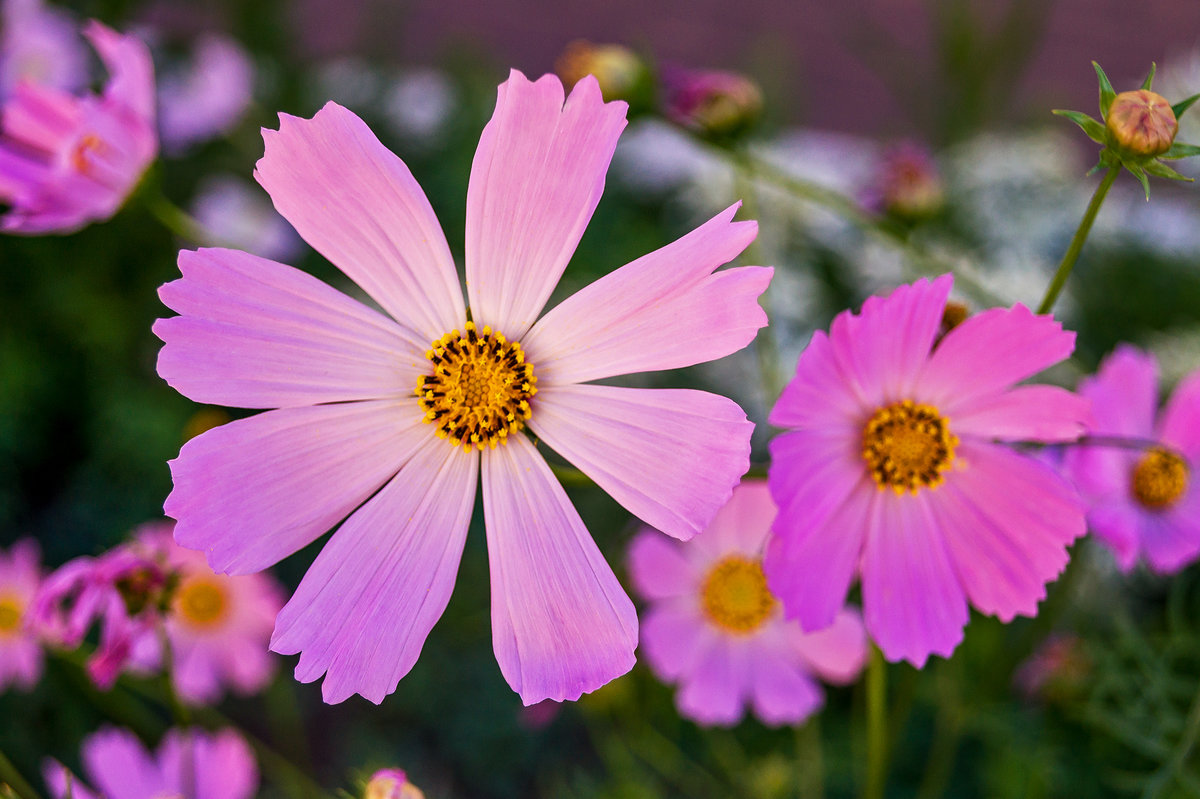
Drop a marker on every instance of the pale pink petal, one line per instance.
(21, 663)
(781, 693)
(130, 70)
(837, 653)
(666, 310)
(659, 569)
(1171, 538)
(1180, 427)
(913, 604)
(714, 691)
(1124, 393)
(194, 672)
(821, 395)
(561, 623)
(208, 766)
(257, 334)
(742, 525)
(674, 636)
(1025, 413)
(989, 352)
(536, 178)
(362, 612)
(62, 783)
(669, 456)
(254, 491)
(1118, 524)
(358, 205)
(120, 767)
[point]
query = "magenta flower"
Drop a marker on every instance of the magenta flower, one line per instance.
(208, 97)
(893, 468)
(714, 627)
(39, 45)
(67, 161)
(189, 764)
(20, 644)
(406, 415)
(1142, 500)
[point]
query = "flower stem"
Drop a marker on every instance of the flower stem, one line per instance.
(1081, 234)
(876, 725)
(179, 222)
(12, 778)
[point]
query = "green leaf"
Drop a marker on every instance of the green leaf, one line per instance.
(1181, 150)
(1094, 129)
(1161, 170)
(1149, 78)
(1140, 174)
(1106, 91)
(1184, 105)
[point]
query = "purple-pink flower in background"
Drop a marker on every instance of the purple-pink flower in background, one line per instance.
(237, 214)
(710, 101)
(20, 639)
(39, 45)
(406, 413)
(893, 468)
(66, 161)
(1141, 496)
(189, 764)
(208, 97)
(714, 627)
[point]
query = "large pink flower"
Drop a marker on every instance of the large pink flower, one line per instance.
(67, 161)
(406, 415)
(716, 628)
(894, 469)
(1142, 497)
(20, 644)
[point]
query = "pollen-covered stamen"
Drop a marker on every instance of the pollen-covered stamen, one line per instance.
(735, 596)
(201, 601)
(10, 614)
(908, 446)
(1159, 479)
(88, 145)
(480, 388)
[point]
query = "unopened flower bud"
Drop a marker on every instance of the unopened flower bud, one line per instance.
(620, 72)
(391, 783)
(909, 184)
(1141, 123)
(712, 102)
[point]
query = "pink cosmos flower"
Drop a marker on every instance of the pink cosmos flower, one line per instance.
(1142, 500)
(406, 415)
(39, 45)
(715, 627)
(189, 764)
(893, 468)
(67, 161)
(20, 644)
(207, 98)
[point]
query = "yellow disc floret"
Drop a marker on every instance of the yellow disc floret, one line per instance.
(10, 614)
(480, 388)
(735, 596)
(908, 446)
(1159, 479)
(202, 601)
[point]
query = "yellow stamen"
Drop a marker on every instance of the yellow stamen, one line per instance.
(87, 144)
(735, 596)
(10, 614)
(1159, 479)
(202, 600)
(908, 446)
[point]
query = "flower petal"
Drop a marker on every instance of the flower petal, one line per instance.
(714, 691)
(561, 624)
(364, 608)
(821, 395)
(1124, 393)
(1181, 421)
(130, 69)
(837, 653)
(781, 692)
(1171, 539)
(1118, 524)
(257, 334)
(358, 205)
(666, 310)
(120, 767)
(659, 569)
(535, 181)
(254, 491)
(1024, 413)
(742, 525)
(674, 636)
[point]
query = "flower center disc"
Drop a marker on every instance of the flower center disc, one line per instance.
(201, 601)
(10, 615)
(1159, 479)
(480, 388)
(908, 446)
(735, 596)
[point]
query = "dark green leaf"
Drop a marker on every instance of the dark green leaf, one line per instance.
(1161, 170)
(1149, 78)
(1094, 129)
(1140, 174)
(1184, 105)
(1181, 150)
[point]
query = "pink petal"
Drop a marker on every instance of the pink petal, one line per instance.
(1181, 421)
(358, 205)
(204, 766)
(837, 653)
(659, 569)
(781, 692)
(666, 310)
(670, 456)
(674, 637)
(1171, 538)
(366, 605)
(21, 663)
(536, 178)
(62, 783)
(254, 491)
(120, 767)
(821, 395)
(1118, 524)
(713, 692)
(912, 601)
(1024, 413)
(257, 334)
(1124, 393)
(742, 525)
(130, 70)
(194, 672)
(561, 624)
(989, 352)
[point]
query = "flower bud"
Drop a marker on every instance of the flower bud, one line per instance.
(711, 102)
(909, 184)
(391, 783)
(1141, 123)
(620, 72)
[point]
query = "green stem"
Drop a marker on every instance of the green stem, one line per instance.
(179, 222)
(11, 777)
(1081, 234)
(876, 726)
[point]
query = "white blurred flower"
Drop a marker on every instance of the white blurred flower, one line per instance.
(419, 104)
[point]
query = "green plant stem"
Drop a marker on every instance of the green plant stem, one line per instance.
(1081, 234)
(876, 726)
(10, 776)
(179, 222)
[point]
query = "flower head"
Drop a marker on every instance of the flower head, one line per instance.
(67, 161)
(209, 96)
(391, 783)
(404, 412)
(622, 74)
(20, 639)
(1143, 498)
(893, 469)
(1141, 123)
(711, 102)
(715, 627)
(907, 183)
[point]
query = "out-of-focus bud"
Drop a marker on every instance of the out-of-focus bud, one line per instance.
(621, 73)
(391, 783)
(1056, 672)
(909, 184)
(711, 102)
(1141, 123)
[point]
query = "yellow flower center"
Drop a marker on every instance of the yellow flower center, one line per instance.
(1159, 479)
(735, 596)
(202, 601)
(908, 446)
(10, 614)
(87, 144)
(480, 388)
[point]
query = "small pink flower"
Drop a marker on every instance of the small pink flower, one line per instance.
(710, 101)
(406, 414)
(893, 468)
(714, 627)
(67, 161)
(207, 98)
(39, 45)
(20, 644)
(189, 764)
(907, 183)
(1143, 501)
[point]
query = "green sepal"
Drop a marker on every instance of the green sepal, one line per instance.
(1093, 129)
(1106, 91)
(1181, 150)
(1140, 174)
(1161, 170)
(1149, 78)
(1184, 105)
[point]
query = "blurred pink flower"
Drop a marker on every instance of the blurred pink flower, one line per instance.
(391, 783)
(893, 468)
(20, 644)
(406, 415)
(1142, 500)
(907, 183)
(710, 101)
(238, 214)
(209, 96)
(39, 45)
(189, 764)
(67, 161)
(715, 627)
